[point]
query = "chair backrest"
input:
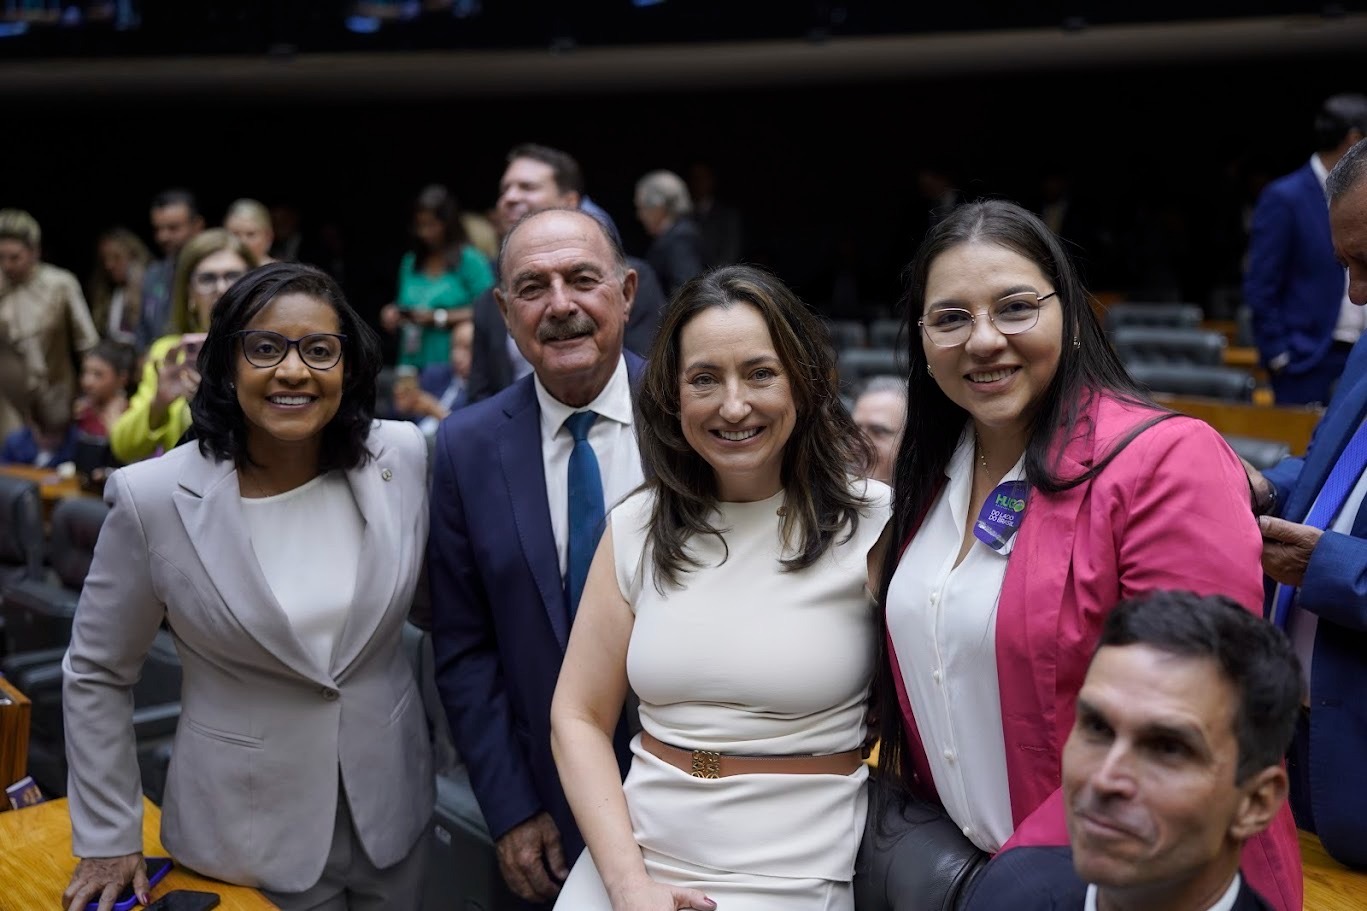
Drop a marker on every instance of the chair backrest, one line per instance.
(22, 541)
(1261, 454)
(76, 523)
(860, 364)
(885, 333)
(1229, 384)
(1145, 345)
(1169, 316)
(847, 333)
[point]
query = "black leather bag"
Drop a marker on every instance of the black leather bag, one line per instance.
(913, 857)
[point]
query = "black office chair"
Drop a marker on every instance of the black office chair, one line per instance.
(23, 547)
(38, 611)
(847, 333)
(1228, 384)
(1154, 316)
(463, 870)
(858, 365)
(156, 710)
(1145, 345)
(886, 333)
(1261, 454)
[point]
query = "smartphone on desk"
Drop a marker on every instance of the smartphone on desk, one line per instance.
(185, 900)
(157, 868)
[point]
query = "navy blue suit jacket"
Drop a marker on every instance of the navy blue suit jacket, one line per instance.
(1043, 879)
(1293, 284)
(500, 622)
(1335, 589)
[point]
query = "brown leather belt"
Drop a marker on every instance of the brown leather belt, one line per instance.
(707, 764)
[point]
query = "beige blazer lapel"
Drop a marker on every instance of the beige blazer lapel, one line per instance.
(209, 504)
(379, 496)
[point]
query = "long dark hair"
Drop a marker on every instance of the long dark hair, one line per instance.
(441, 203)
(218, 421)
(824, 450)
(1086, 368)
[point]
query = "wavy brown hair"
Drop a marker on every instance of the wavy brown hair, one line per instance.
(824, 450)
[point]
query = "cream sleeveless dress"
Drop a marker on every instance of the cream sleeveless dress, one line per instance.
(751, 660)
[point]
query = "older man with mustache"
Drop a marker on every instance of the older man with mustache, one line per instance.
(520, 487)
(1173, 763)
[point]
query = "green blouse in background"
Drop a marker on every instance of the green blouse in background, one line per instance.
(421, 346)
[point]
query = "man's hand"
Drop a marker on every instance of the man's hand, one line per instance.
(103, 878)
(1287, 547)
(524, 854)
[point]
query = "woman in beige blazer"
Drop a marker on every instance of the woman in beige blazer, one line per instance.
(282, 550)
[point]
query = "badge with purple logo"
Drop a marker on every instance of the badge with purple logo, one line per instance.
(1002, 514)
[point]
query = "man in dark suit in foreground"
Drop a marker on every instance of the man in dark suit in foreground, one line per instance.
(521, 482)
(1174, 761)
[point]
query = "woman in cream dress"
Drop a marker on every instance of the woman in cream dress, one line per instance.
(729, 592)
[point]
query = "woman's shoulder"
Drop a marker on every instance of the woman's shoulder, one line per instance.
(1154, 433)
(401, 435)
(875, 493)
(635, 507)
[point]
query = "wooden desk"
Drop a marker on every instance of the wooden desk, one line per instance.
(1329, 886)
(36, 861)
(1291, 425)
(51, 486)
(14, 729)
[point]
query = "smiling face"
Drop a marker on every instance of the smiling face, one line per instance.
(529, 186)
(566, 303)
(1149, 771)
(998, 379)
(290, 403)
(736, 404)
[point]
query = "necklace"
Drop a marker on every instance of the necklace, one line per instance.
(982, 456)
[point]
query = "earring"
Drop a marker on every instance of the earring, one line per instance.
(930, 370)
(232, 387)
(1077, 342)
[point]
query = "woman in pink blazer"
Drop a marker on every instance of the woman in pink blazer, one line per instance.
(1037, 486)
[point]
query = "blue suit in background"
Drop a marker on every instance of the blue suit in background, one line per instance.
(500, 621)
(1294, 288)
(1335, 590)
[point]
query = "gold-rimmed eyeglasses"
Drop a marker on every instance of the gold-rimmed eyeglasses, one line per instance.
(950, 327)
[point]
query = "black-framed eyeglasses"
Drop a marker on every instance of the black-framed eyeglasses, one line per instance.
(263, 348)
(950, 327)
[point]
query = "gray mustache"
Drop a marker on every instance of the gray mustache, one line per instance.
(560, 329)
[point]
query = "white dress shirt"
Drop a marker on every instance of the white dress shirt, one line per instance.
(308, 542)
(1301, 624)
(1224, 903)
(1352, 318)
(613, 439)
(943, 623)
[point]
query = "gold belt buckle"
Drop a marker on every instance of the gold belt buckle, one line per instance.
(706, 764)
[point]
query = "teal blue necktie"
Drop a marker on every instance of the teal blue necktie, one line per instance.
(586, 507)
(1343, 477)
